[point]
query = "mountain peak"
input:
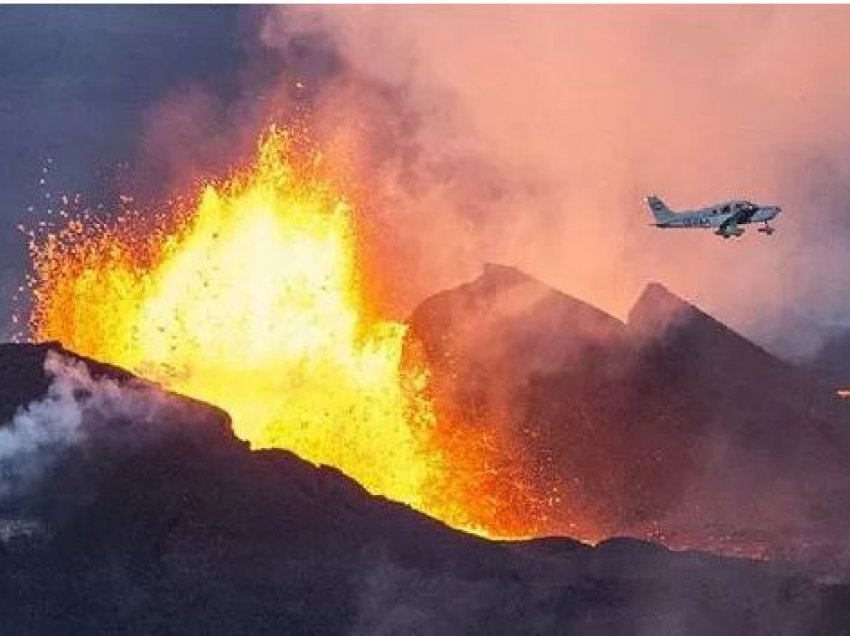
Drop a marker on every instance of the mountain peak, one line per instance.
(495, 276)
(657, 308)
(657, 294)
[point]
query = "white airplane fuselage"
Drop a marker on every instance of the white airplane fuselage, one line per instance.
(725, 217)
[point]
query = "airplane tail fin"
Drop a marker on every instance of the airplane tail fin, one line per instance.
(660, 211)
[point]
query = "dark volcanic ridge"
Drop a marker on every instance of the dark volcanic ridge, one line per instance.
(670, 426)
(125, 508)
(157, 520)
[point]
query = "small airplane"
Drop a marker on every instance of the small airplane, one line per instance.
(726, 217)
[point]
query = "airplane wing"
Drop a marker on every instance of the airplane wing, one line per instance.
(731, 222)
(729, 227)
(740, 215)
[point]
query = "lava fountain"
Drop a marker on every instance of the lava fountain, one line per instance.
(250, 299)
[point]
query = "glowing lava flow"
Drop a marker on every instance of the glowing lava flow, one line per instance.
(251, 301)
(253, 305)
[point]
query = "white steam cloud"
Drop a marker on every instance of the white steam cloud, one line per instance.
(75, 405)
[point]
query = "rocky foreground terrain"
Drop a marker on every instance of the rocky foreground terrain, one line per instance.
(668, 425)
(126, 509)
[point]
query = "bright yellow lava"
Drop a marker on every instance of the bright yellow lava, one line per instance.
(250, 299)
(253, 304)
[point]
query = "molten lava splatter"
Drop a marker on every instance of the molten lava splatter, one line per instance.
(251, 300)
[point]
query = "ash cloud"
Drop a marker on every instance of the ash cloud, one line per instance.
(526, 136)
(530, 135)
(42, 445)
(40, 432)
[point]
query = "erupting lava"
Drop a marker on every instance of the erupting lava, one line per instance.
(251, 301)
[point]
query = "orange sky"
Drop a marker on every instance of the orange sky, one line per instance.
(599, 106)
(530, 135)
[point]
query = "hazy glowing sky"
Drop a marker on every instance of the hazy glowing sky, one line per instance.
(526, 135)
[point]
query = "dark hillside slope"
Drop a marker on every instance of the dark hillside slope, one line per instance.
(670, 422)
(166, 524)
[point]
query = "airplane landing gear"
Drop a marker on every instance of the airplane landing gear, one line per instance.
(767, 229)
(729, 233)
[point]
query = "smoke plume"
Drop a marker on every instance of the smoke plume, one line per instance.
(76, 408)
(43, 430)
(530, 135)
